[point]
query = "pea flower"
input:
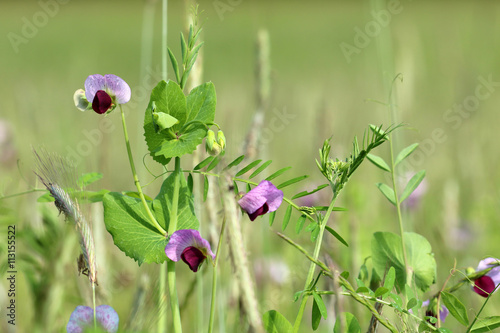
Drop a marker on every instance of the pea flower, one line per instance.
(264, 198)
(82, 319)
(487, 283)
(431, 310)
(102, 93)
(188, 245)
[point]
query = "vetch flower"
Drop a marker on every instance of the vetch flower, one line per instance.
(188, 245)
(487, 283)
(264, 198)
(82, 319)
(104, 93)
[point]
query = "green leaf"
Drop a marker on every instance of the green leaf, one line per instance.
(193, 113)
(411, 303)
(272, 215)
(184, 48)
(398, 302)
(390, 277)
(88, 178)
(163, 120)
(174, 63)
(387, 192)
(300, 224)
(315, 316)
(186, 218)
(336, 235)
(260, 169)
(236, 161)
(292, 181)
(321, 306)
(387, 251)
(247, 168)
(205, 187)
(405, 153)
(456, 308)
(412, 184)
(190, 182)
(486, 324)
(379, 162)
(127, 221)
(304, 193)
(214, 163)
(204, 163)
(278, 173)
(286, 219)
(351, 324)
(135, 194)
(315, 233)
(274, 322)
(91, 196)
(381, 291)
(201, 103)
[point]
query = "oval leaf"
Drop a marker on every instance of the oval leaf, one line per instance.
(274, 322)
(350, 322)
(379, 162)
(412, 184)
(456, 308)
(487, 324)
(405, 153)
(387, 192)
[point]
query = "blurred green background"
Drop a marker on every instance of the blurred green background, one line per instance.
(444, 50)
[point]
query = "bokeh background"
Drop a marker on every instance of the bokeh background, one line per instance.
(329, 74)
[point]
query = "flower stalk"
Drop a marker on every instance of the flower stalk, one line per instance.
(136, 179)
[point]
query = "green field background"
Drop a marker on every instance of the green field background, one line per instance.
(444, 51)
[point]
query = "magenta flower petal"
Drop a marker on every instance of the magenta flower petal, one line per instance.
(93, 84)
(82, 318)
(192, 257)
(102, 102)
(484, 286)
(118, 87)
(181, 244)
(488, 282)
(263, 198)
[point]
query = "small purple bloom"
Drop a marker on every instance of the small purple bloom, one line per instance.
(104, 93)
(188, 245)
(431, 311)
(82, 319)
(264, 198)
(487, 283)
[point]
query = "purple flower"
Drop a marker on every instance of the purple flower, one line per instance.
(103, 93)
(431, 311)
(82, 318)
(487, 283)
(264, 198)
(188, 245)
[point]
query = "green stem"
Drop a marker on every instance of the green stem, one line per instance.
(22, 193)
(312, 268)
(164, 54)
(136, 179)
(162, 299)
(172, 227)
(398, 207)
(174, 300)
(214, 278)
